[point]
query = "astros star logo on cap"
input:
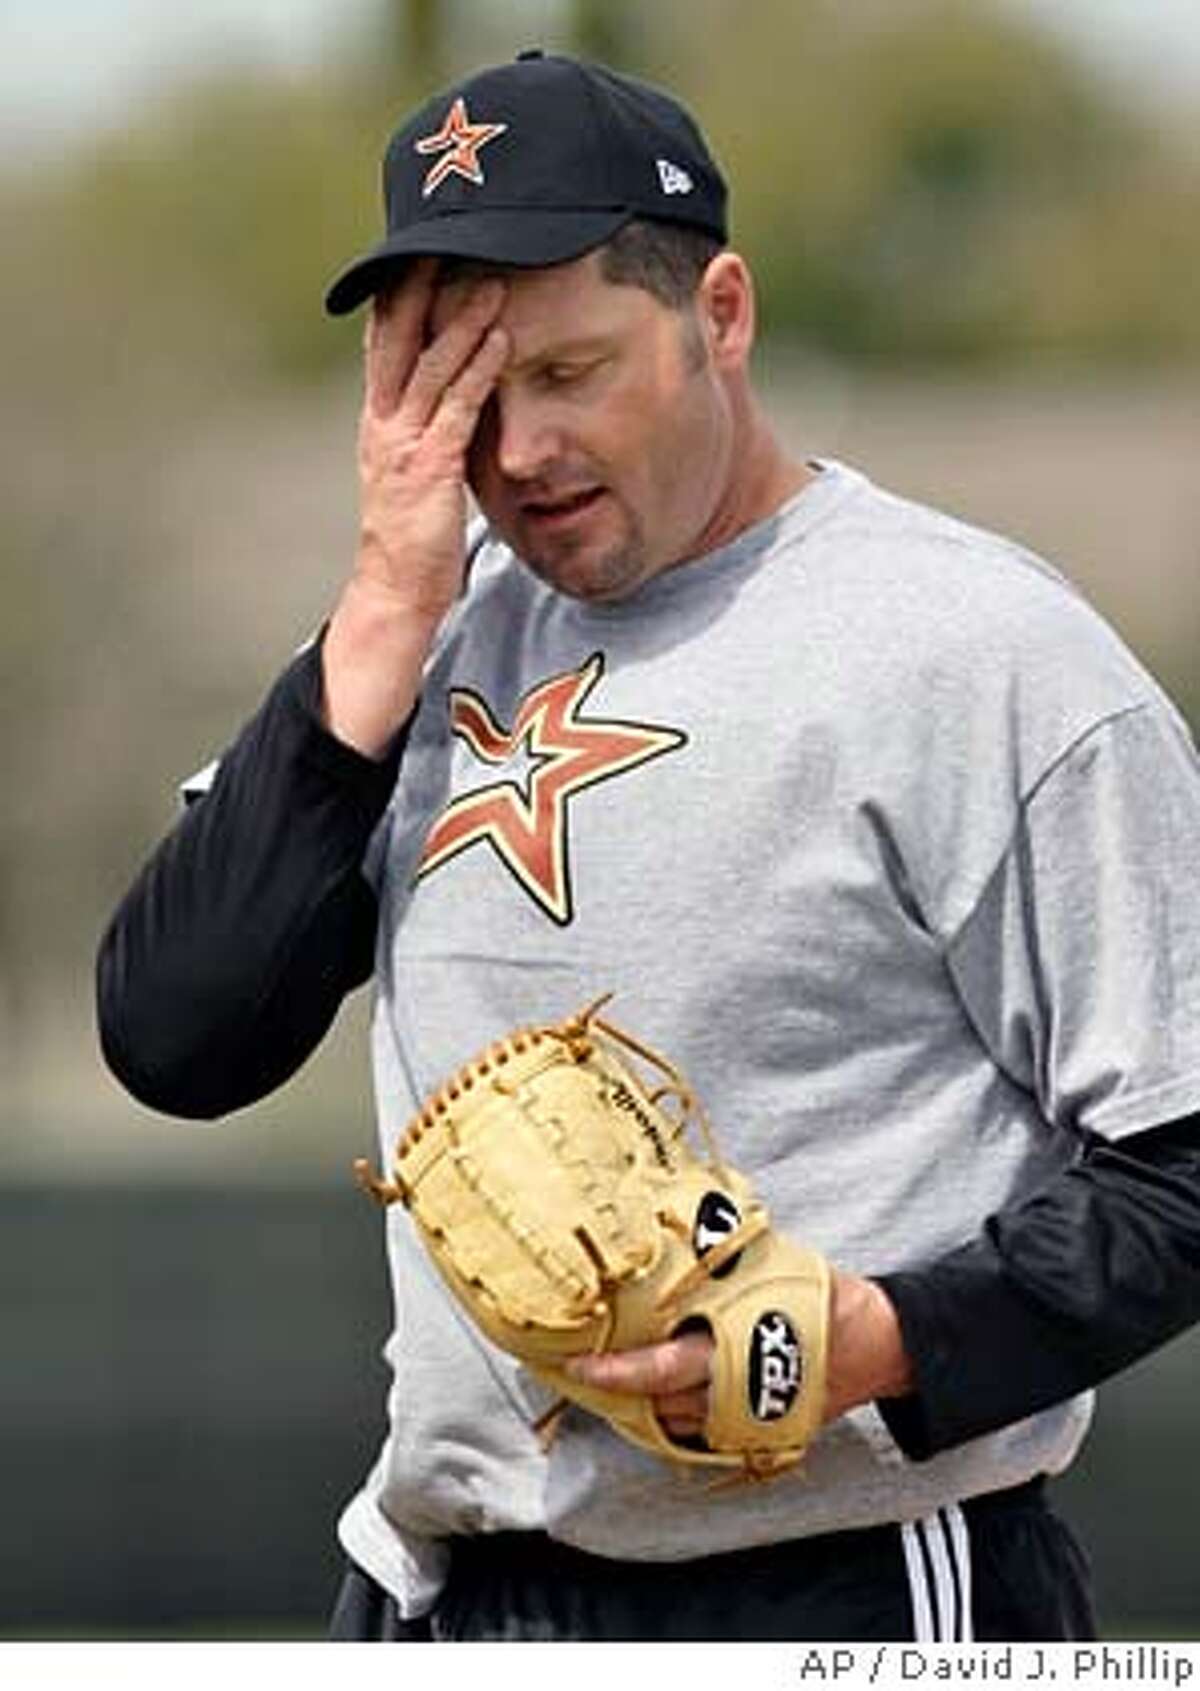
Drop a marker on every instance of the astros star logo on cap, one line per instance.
(458, 141)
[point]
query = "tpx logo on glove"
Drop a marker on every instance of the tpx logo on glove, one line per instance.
(773, 1376)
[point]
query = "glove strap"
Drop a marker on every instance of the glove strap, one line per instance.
(714, 1259)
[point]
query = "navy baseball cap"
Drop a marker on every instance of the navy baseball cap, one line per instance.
(533, 163)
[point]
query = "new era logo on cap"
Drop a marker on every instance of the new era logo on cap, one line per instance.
(672, 178)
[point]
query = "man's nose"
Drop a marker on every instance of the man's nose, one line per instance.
(526, 439)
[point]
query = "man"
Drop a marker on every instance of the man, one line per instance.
(869, 822)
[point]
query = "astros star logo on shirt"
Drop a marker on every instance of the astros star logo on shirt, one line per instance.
(525, 820)
(458, 142)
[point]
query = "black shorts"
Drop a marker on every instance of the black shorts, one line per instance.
(1000, 1568)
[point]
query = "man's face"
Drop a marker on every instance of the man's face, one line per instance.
(604, 453)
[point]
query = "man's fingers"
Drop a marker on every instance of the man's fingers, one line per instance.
(662, 1371)
(463, 401)
(674, 1375)
(683, 1412)
(395, 334)
(444, 361)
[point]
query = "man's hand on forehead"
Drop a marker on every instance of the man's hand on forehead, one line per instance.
(422, 298)
(419, 337)
(426, 385)
(455, 287)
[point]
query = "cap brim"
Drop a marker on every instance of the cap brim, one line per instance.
(525, 238)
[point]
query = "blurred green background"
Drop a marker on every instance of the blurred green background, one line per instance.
(976, 226)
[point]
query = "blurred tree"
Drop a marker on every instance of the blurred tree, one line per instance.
(931, 179)
(117, 360)
(601, 30)
(413, 33)
(247, 193)
(896, 170)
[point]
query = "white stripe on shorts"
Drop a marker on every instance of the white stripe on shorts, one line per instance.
(937, 1555)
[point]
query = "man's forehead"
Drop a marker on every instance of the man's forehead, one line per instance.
(463, 273)
(541, 303)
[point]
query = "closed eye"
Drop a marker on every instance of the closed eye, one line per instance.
(562, 375)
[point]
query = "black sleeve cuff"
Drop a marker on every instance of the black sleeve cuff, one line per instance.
(1058, 1293)
(366, 782)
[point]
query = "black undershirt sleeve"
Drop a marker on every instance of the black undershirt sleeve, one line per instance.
(226, 962)
(1059, 1292)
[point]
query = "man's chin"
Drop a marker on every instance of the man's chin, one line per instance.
(580, 567)
(593, 581)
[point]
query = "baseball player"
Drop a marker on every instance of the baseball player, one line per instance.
(862, 814)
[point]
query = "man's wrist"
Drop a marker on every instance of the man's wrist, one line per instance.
(867, 1356)
(895, 1365)
(372, 659)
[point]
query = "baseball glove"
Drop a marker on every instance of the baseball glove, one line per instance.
(556, 1191)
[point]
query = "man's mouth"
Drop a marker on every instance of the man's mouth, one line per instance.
(562, 506)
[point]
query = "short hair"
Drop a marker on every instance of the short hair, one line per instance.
(668, 260)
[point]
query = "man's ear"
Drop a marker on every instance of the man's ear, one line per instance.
(725, 306)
